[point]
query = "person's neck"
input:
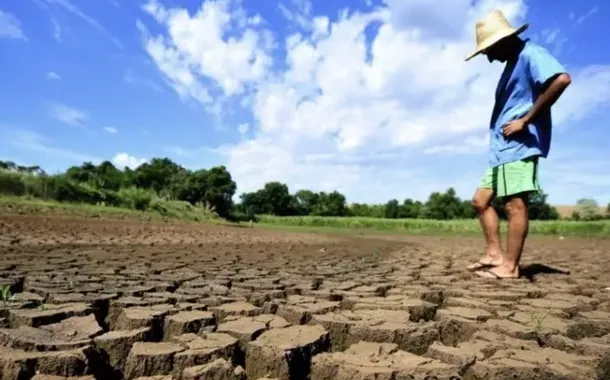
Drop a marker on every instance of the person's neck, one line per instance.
(514, 48)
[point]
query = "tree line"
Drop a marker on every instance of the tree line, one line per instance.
(162, 178)
(275, 199)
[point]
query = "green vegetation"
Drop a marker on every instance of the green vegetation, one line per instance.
(5, 294)
(428, 226)
(163, 188)
(275, 199)
(588, 209)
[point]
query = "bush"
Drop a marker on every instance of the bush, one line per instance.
(11, 183)
(67, 190)
(181, 210)
(135, 198)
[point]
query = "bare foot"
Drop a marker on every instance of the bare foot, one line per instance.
(499, 272)
(486, 262)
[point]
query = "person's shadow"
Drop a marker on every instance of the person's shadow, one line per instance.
(530, 271)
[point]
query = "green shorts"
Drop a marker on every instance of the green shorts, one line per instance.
(512, 178)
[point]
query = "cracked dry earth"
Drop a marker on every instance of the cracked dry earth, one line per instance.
(98, 299)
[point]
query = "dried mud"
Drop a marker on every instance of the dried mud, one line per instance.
(101, 299)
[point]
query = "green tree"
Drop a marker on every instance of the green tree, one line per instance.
(331, 204)
(86, 173)
(412, 209)
(220, 189)
(588, 209)
(156, 174)
(274, 199)
(108, 176)
(444, 206)
(306, 201)
(539, 209)
(392, 209)
(253, 203)
(278, 199)
(468, 211)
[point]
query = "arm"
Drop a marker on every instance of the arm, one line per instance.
(548, 74)
(549, 96)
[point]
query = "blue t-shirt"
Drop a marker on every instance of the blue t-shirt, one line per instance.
(518, 89)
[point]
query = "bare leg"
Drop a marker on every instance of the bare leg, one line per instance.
(518, 227)
(491, 228)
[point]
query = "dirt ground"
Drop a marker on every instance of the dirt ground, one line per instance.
(128, 299)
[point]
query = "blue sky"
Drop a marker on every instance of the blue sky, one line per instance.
(371, 98)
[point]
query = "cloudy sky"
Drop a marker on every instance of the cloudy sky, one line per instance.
(371, 98)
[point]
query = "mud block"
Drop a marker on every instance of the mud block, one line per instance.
(69, 334)
(508, 369)
(381, 326)
(244, 330)
(16, 364)
(187, 322)
(116, 308)
(118, 344)
(380, 361)
(301, 314)
(243, 309)
(52, 314)
(66, 363)
(513, 329)
(134, 318)
(587, 328)
(462, 356)
(219, 369)
(285, 353)
(471, 314)
(555, 362)
(172, 298)
(570, 307)
(418, 309)
(503, 341)
(455, 327)
(51, 377)
(272, 321)
(151, 359)
(202, 349)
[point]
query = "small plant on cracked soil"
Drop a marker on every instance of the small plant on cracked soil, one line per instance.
(5, 294)
(538, 320)
(42, 305)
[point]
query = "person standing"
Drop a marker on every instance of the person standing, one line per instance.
(520, 134)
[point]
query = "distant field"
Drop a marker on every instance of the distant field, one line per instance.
(432, 227)
(566, 211)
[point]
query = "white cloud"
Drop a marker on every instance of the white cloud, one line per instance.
(56, 29)
(196, 46)
(74, 10)
(122, 160)
(111, 130)
(243, 128)
(35, 142)
(589, 13)
(131, 78)
(69, 115)
(391, 81)
(53, 75)
(10, 27)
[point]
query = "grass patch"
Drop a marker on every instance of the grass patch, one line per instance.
(157, 209)
(433, 227)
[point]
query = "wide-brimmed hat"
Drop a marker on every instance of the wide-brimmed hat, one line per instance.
(492, 28)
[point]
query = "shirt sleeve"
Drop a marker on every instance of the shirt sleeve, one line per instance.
(543, 66)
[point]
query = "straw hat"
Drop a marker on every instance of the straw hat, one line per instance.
(492, 28)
